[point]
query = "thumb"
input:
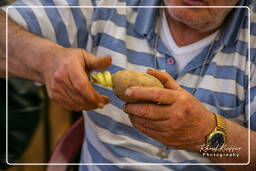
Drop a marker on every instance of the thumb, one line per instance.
(165, 79)
(94, 63)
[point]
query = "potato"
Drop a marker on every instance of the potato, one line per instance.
(127, 78)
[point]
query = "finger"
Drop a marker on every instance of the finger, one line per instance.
(77, 101)
(56, 93)
(80, 95)
(69, 91)
(153, 94)
(161, 126)
(149, 132)
(149, 111)
(105, 99)
(82, 85)
(62, 100)
(67, 103)
(64, 85)
(165, 78)
(94, 63)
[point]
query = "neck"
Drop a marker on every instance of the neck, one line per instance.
(184, 35)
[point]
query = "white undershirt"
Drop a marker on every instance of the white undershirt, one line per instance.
(183, 55)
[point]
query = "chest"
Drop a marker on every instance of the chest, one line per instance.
(219, 84)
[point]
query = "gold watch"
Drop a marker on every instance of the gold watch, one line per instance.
(217, 138)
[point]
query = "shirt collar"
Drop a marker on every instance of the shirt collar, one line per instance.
(146, 18)
(233, 24)
(146, 21)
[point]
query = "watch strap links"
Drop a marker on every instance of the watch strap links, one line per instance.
(220, 124)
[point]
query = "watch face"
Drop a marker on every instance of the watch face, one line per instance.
(217, 140)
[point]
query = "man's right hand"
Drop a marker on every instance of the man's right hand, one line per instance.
(64, 71)
(67, 82)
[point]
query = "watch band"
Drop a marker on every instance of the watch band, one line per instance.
(220, 124)
(218, 136)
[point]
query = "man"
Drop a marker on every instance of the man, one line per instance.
(203, 54)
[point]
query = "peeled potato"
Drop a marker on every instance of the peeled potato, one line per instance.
(127, 78)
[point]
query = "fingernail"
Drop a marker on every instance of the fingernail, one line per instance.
(149, 69)
(128, 92)
(105, 100)
(101, 105)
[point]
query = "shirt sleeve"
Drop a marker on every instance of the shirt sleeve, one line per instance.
(62, 21)
(252, 96)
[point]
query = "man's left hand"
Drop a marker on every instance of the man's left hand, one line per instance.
(176, 118)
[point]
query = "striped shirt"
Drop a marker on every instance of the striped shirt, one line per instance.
(219, 76)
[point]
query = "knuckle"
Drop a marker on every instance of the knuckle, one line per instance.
(50, 95)
(166, 77)
(79, 86)
(183, 99)
(133, 119)
(55, 97)
(192, 138)
(179, 118)
(166, 134)
(178, 123)
(93, 98)
(53, 87)
(136, 125)
(145, 110)
(165, 129)
(175, 127)
(66, 64)
(78, 101)
(49, 92)
(58, 75)
(82, 52)
(157, 94)
(133, 92)
(187, 103)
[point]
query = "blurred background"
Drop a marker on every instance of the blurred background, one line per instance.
(35, 123)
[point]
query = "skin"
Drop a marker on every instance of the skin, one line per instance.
(178, 119)
(64, 71)
(189, 25)
(181, 121)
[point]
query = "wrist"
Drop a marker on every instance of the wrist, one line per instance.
(48, 57)
(217, 138)
(209, 124)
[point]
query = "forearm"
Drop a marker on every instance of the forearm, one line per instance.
(237, 136)
(28, 54)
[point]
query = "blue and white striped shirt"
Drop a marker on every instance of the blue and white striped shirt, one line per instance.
(218, 76)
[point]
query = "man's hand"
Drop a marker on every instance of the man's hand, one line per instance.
(67, 82)
(64, 71)
(176, 119)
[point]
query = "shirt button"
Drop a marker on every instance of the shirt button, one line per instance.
(170, 61)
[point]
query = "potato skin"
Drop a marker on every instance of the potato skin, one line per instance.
(127, 78)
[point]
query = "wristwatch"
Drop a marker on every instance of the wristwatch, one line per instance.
(217, 137)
